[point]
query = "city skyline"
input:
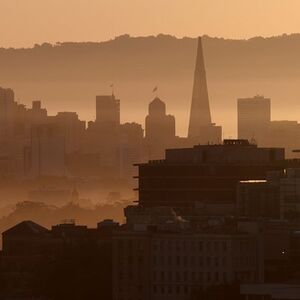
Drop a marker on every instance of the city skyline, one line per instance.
(149, 150)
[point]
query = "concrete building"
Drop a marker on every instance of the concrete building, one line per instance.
(270, 291)
(46, 154)
(276, 197)
(258, 199)
(73, 129)
(108, 110)
(254, 117)
(162, 265)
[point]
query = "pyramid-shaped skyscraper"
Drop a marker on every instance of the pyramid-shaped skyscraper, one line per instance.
(201, 129)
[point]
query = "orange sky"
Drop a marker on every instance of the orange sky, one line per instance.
(25, 22)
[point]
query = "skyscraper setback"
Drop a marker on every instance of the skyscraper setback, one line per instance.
(201, 129)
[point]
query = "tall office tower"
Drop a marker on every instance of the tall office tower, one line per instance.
(160, 129)
(107, 130)
(37, 114)
(73, 129)
(46, 154)
(108, 110)
(254, 117)
(201, 129)
(7, 114)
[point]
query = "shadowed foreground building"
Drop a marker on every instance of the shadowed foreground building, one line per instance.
(203, 179)
(161, 265)
(164, 261)
(276, 197)
(67, 262)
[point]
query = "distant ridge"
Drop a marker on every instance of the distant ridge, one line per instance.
(67, 75)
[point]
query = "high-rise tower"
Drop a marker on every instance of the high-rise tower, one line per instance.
(201, 129)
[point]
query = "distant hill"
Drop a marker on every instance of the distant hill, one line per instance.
(67, 76)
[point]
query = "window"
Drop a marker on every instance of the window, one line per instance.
(216, 246)
(185, 276)
(185, 261)
(208, 246)
(161, 245)
(208, 261)
(217, 261)
(224, 261)
(193, 246)
(224, 246)
(178, 261)
(201, 261)
(186, 289)
(193, 276)
(154, 276)
(200, 246)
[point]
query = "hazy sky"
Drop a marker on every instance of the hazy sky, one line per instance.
(25, 22)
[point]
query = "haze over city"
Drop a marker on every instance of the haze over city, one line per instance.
(149, 150)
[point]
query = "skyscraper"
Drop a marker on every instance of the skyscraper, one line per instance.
(201, 129)
(160, 129)
(254, 119)
(108, 110)
(7, 114)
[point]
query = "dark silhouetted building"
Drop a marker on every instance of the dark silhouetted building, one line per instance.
(258, 198)
(167, 264)
(203, 179)
(276, 197)
(67, 261)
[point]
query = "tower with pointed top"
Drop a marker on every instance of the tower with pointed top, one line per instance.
(201, 129)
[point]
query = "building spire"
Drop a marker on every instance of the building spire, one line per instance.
(200, 116)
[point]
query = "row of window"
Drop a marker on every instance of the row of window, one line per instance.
(189, 261)
(199, 277)
(184, 245)
(178, 245)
